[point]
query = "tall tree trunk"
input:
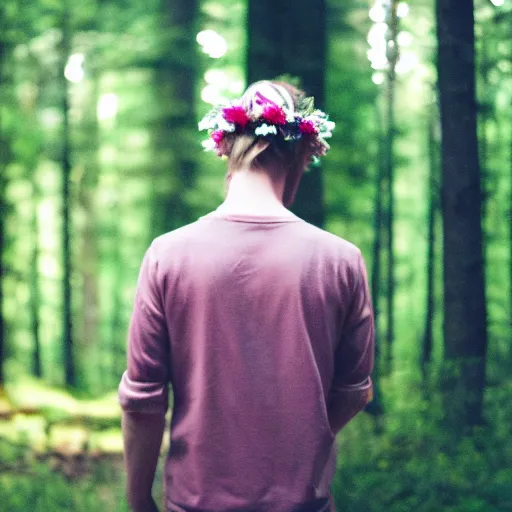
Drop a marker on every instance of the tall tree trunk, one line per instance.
(290, 38)
(90, 340)
(378, 221)
(465, 330)
(433, 155)
(485, 108)
(175, 80)
(35, 298)
(375, 406)
(115, 359)
(510, 237)
(3, 211)
(390, 179)
(67, 334)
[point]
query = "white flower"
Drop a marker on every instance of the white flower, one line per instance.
(223, 125)
(207, 123)
(208, 145)
(265, 129)
(329, 126)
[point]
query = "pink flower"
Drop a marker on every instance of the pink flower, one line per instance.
(218, 137)
(236, 115)
(307, 127)
(274, 114)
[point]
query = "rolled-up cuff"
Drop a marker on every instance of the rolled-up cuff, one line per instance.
(361, 386)
(147, 397)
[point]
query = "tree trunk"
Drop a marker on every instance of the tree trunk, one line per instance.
(510, 237)
(375, 406)
(378, 221)
(433, 156)
(175, 81)
(3, 211)
(35, 298)
(390, 179)
(465, 330)
(289, 38)
(90, 339)
(67, 334)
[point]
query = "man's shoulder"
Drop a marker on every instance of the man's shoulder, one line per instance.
(330, 241)
(175, 237)
(302, 234)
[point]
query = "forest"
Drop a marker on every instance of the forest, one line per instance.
(100, 154)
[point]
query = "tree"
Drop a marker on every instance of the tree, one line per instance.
(291, 41)
(433, 156)
(3, 209)
(392, 54)
(87, 150)
(465, 331)
(67, 332)
(174, 145)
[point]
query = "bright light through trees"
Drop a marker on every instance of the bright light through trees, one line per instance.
(407, 62)
(402, 10)
(213, 43)
(379, 39)
(378, 78)
(378, 13)
(74, 71)
(211, 94)
(404, 39)
(107, 107)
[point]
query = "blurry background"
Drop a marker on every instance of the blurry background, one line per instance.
(99, 154)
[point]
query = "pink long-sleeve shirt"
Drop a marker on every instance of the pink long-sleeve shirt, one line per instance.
(255, 321)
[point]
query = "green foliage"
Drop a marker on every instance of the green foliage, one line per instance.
(38, 488)
(130, 181)
(415, 465)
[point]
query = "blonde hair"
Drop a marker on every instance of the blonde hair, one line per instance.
(277, 156)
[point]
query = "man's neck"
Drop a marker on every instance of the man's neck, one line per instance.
(253, 193)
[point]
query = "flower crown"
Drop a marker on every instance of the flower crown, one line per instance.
(265, 118)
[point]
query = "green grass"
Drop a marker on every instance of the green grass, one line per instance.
(415, 465)
(412, 465)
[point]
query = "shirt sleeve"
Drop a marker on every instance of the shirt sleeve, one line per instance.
(354, 356)
(144, 385)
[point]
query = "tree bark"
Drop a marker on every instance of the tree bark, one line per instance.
(90, 339)
(392, 53)
(3, 211)
(510, 238)
(35, 298)
(433, 156)
(375, 406)
(378, 222)
(288, 38)
(465, 330)
(67, 333)
(175, 80)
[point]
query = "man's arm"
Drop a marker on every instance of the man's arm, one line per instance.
(144, 388)
(345, 403)
(142, 436)
(352, 386)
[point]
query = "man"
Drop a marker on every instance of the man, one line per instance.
(261, 322)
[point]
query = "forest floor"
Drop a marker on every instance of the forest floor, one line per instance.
(60, 453)
(50, 419)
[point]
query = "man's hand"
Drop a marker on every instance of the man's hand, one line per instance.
(144, 506)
